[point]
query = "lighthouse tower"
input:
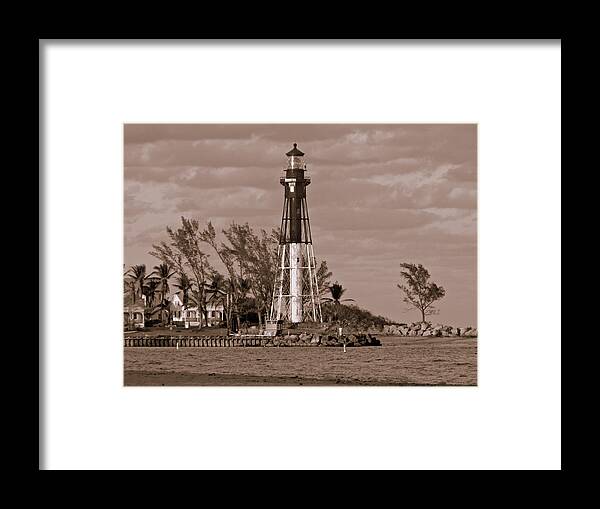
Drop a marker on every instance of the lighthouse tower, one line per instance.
(296, 293)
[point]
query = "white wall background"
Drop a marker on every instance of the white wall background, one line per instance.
(511, 420)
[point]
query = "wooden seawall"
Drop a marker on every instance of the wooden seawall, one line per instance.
(250, 341)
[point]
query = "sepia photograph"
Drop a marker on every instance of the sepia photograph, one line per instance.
(307, 254)
(300, 254)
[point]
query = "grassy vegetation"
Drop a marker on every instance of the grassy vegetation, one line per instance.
(350, 315)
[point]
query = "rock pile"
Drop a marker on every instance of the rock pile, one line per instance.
(308, 339)
(426, 329)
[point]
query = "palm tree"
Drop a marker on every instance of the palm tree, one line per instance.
(164, 308)
(336, 290)
(129, 287)
(184, 284)
(150, 291)
(217, 288)
(137, 273)
(163, 273)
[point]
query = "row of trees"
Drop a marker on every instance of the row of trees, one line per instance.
(249, 259)
(250, 262)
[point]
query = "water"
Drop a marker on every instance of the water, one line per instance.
(426, 361)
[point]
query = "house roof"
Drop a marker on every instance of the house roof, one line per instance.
(210, 306)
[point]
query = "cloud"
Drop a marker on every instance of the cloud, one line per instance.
(380, 194)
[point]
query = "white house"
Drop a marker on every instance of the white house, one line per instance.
(191, 316)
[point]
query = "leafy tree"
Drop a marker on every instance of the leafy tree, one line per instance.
(226, 255)
(250, 260)
(323, 277)
(260, 261)
(183, 252)
(419, 292)
(251, 263)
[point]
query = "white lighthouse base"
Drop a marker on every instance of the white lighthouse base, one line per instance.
(295, 283)
(296, 296)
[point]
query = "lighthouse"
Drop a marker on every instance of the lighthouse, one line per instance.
(295, 292)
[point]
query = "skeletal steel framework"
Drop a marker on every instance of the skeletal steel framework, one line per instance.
(296, 286)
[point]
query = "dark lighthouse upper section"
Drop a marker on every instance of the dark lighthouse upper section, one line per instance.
(294, 225)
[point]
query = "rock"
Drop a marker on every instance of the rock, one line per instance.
(438, 327)
(427, 333)
(293, 338)
(425, 325)
(404, 331)
(316, 339)
(304, 337)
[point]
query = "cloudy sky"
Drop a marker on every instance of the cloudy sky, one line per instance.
(380, 195)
